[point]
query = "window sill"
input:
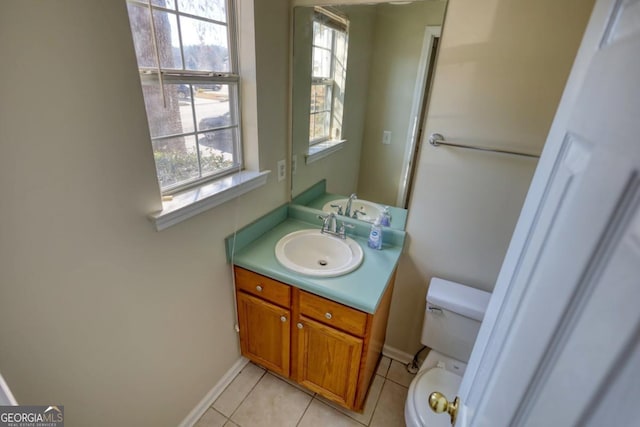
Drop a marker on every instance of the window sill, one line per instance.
(196, 200)
(323, 149)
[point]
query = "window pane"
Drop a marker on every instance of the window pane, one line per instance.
(319, 126)
(217, 150)
(176, 160)
(212, 9)
(320, 97)
(340, 64)
(140, 22)
(205, 45)
(341, 45)
(177, 117)
(321, 35)
(168, 4)
(167, 39)
(321, 63)
(212, 107)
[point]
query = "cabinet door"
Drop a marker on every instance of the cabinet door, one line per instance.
(264, 333)
(328, 361)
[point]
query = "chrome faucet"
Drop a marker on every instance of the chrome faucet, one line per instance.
(329, 223)
(330, 226)
(347, 209)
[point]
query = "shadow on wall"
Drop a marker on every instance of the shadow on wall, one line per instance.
(408, 304)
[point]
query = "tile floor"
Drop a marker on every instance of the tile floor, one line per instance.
(257, 398)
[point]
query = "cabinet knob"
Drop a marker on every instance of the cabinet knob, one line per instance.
(328, 315)
(283, 319)
(299, 325)
(259, 288)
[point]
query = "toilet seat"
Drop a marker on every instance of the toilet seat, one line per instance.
(417, 412)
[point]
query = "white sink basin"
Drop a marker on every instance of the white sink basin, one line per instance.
(371, 210)
(315, 254)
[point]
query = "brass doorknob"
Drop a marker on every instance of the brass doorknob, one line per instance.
(439, 404)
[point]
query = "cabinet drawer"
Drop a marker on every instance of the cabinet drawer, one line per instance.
(333, 314)
(263, 287)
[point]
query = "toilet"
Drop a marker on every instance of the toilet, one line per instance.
(451, 323)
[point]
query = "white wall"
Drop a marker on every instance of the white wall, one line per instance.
(397, 46)
(121, 324)
(499, 76)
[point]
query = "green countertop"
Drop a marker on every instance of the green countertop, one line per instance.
(361, 289)
(316, 197)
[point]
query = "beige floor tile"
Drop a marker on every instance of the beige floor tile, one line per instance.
(398, 374)
(320, 415)
(383, 366)
(272, 403)
(293, 383)
(211, 418)
(369, 404)
(239, 388)
(390, 408)
(230, 424)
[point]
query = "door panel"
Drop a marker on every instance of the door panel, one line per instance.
(328, 361)
(264, 333)
(598, 325)
(561, 333)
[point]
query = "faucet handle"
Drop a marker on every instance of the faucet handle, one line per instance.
(356, 212)
(339, 208)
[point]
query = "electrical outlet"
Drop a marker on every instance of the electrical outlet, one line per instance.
(294, 164)
(282, 170)
(386, 137)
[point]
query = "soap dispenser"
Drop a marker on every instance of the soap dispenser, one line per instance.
(385, 217)
(375, 235)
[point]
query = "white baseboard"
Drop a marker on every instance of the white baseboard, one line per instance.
(214, 393)
(396, 354)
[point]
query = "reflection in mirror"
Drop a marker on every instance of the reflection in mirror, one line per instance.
(381, 98)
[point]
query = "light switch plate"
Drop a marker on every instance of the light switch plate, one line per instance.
(386, 137)
(282, 170)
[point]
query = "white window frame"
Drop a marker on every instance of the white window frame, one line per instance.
(180, 206)
(323, 16)
(168, 76)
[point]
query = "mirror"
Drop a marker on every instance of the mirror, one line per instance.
(380, 95)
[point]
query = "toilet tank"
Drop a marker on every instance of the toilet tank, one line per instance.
(452, 318)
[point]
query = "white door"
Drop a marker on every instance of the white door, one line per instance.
(560, 344)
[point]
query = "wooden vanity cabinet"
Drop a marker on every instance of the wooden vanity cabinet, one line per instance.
(328, 361)
(327, 347)
(264, 319)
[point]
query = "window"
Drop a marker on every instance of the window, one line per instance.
(328, 75)
(186, 54)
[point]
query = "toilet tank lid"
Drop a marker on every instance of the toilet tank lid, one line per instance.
(461, 299)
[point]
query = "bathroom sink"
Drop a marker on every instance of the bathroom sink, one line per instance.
(371, 210)
(312, 253)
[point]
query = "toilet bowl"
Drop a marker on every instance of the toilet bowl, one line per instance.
(417, 411)
(451, 323)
